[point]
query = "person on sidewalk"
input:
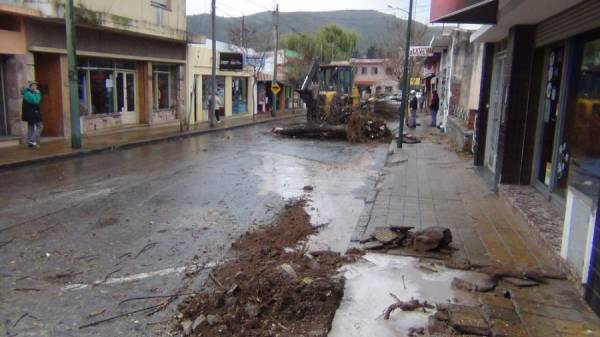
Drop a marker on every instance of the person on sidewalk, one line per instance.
(434, 106)
(414, 106)
(31, 114)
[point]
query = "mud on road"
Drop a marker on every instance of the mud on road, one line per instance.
(272, 285)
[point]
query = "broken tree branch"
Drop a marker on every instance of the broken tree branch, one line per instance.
(411, 305)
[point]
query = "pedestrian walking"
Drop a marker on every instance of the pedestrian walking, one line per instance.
(31, 114)
(414, 106)
(434, 107)
(421, 101)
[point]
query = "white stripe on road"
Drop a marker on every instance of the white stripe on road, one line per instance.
(131, 278)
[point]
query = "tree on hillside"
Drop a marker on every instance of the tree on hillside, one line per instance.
(249, 37)
(330, 43)
(395, 51)
(375, 52)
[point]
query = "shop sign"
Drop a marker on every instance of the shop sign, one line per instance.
(257, 62)
(415, 82)
(231, 61)
(420, 51)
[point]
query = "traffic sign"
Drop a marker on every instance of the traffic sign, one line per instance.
(275, 88)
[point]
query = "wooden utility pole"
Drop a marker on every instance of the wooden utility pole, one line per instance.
(276, 23)
(73, 86)
(213, 81)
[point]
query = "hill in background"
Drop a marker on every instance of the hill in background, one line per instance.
(374, 28)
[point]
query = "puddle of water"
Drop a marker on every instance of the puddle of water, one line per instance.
(367, 294)
(335, 200)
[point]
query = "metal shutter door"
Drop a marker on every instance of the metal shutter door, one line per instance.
(576, 20)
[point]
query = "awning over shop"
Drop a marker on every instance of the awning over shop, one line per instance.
(262, 77)
(464, 11)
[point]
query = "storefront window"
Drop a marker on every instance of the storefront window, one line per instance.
(583, 126)
(101, 86)
(161, 89)
(207, 92)
(84, 95)
(550, 114)
(240, 95)
(105, 87)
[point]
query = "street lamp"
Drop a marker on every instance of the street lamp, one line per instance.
(398, 9)
(405, 74)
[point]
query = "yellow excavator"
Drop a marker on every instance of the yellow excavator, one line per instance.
(329, 92)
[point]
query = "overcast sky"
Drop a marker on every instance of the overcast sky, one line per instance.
(235, 8)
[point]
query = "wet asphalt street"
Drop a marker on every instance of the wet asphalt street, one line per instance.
(79, 236)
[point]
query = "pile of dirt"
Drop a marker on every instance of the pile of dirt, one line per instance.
(270, 287)
(361, 128)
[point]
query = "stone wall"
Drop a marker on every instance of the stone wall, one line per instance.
(15, 77)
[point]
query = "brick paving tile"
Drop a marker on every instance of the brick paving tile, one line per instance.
(433, 186)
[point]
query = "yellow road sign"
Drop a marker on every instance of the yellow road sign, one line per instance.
(275, 88)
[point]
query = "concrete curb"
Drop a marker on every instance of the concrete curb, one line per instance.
(149, 141)
(365, 216)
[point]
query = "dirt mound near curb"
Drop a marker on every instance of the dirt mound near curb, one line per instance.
(271, 287)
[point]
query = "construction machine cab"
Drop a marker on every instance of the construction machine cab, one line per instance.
(329, 93)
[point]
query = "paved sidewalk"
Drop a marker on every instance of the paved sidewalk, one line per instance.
(60, 149)
(429, 184)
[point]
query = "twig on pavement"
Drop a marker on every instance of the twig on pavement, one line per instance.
(112, 318)
(214, 279)
(6, 243)
(153, 297)
(106, 277)
(146, 248)
(19, 319)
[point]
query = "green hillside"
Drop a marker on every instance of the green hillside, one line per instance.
(374, 28)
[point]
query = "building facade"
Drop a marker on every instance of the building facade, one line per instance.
(130, 57)
(538, 116)
(374, 77)
(458, 70)
(236, 85)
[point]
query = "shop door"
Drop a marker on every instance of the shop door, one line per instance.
(126, 94)
(48, 75)
(495, 115)
(3, 116)
(549, 119)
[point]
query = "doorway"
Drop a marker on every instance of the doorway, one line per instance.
(4, 129)
(48, 75)
(126, 94)
(549, 119)
(497, 101)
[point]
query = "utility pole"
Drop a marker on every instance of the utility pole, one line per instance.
(406, 76)
(244, 32)
(72, 65)
(276, 22)
(213, 81)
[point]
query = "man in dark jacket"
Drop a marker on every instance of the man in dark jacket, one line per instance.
(434, 107)
(414, 106)
(31, 114)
